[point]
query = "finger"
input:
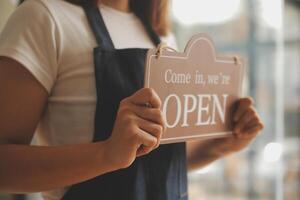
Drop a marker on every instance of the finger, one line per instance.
(246, 118)
(150, 114)
(243, 105)
(142, 150)
(146, 96)
(151, 128)
(253, 131)
(254, 122)
(148, 142)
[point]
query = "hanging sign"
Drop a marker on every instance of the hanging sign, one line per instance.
(197, 89)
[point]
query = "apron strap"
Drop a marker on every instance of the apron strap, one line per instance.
(101, 33)
(97, 24)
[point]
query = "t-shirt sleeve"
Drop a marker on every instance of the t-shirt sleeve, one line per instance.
(30, 37)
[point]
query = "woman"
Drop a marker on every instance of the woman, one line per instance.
(72, 72)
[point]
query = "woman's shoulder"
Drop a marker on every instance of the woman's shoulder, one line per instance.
(48, 3)
(47, 8)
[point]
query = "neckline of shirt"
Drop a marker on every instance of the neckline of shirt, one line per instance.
(116, 12)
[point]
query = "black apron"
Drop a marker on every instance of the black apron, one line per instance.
(160, 175)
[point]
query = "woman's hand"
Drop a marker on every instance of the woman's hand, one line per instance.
(137, 129)
(247, 125)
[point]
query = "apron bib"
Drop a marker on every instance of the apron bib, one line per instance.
(160, 175)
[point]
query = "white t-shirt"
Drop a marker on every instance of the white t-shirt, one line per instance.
(53, 40)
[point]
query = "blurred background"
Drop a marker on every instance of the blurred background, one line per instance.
(266, 33)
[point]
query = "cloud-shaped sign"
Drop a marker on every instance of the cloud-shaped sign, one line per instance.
(197, 89)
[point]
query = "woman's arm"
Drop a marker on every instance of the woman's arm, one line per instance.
(25, 168)
(201, 153)
(247, 126)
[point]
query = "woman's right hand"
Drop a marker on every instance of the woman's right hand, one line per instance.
(137, 130)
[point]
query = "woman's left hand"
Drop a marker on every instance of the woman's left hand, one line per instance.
(247, 125)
